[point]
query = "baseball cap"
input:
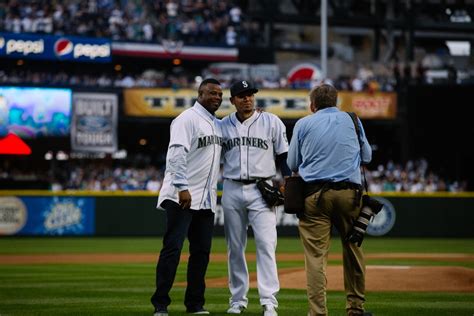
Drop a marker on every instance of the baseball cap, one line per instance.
(242, 86)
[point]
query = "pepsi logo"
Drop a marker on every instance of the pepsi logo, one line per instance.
(63, 46)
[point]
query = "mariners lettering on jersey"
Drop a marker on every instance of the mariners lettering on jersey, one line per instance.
(209, 140)
(244, 141)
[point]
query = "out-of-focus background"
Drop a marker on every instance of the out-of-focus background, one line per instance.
(88, 90)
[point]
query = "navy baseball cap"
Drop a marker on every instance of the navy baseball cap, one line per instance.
(242, 86)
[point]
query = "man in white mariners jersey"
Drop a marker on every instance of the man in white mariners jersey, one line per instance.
(189, 196)
(251, 141)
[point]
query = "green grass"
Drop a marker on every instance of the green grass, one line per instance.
(125, 289)
(29, 245)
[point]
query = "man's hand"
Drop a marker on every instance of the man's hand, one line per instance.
(282, 189)
(185, 199)
(355, 237)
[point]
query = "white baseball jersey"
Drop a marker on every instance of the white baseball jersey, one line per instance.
(250, 147)
(198, 132)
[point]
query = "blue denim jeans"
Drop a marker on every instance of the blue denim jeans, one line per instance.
(198, 226)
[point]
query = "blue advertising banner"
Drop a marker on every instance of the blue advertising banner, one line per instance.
(55, 216)
(71, 48)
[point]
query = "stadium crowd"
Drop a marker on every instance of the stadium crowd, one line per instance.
(194, 22)
(371, 77)
(154, 79)
(202, 22)
(415, 176)
(96, 175)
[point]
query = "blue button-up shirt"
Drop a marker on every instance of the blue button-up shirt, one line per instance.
(324, 147)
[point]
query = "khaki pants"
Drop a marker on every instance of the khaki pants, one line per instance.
(335, 207)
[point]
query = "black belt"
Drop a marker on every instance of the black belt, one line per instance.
(315, 186)
(323, 186)
(248, 181)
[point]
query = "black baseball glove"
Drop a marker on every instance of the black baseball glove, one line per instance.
(270, 194)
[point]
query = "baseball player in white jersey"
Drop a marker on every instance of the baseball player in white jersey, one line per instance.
(251, 142)
(189, 196)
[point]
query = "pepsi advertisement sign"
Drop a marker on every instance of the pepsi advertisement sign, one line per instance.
(70, 48)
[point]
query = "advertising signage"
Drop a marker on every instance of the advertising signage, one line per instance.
(70, 48)
(287, 104)
(94, 122)
(47, 216)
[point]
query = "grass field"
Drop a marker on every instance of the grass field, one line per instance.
(125, 288)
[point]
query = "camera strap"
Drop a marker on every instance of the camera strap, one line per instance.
(357, 128)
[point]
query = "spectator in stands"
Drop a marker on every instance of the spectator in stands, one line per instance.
(415, 176)
(231, 36)
(198, 22)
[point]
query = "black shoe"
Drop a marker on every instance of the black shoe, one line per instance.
(198, 311)
(360, 314)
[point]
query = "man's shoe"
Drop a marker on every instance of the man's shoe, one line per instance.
(236, 309)
(199, 311)
(269, 310)
(161, 311)
(354, 313)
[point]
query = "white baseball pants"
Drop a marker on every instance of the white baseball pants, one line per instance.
(244, 206)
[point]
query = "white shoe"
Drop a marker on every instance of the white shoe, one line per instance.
(269, 310)
(236, 309)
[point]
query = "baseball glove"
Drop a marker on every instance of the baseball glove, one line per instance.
(270, 194)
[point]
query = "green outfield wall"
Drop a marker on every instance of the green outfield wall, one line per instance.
(37, 213)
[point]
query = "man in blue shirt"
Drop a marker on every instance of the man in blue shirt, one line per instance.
(325, 152)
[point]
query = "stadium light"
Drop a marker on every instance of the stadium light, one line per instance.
(459, 48)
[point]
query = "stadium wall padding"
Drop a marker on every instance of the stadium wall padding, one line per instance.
(135, 214)
(414, 217)
(433, 217)
(126, 216)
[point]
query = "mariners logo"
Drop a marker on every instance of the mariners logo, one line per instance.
(383, 222)
(63, 46)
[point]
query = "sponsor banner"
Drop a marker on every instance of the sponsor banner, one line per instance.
(94, 122)
(175, 49)
(47, 216)
(378, 105)
(287, 104)
(71, 48)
